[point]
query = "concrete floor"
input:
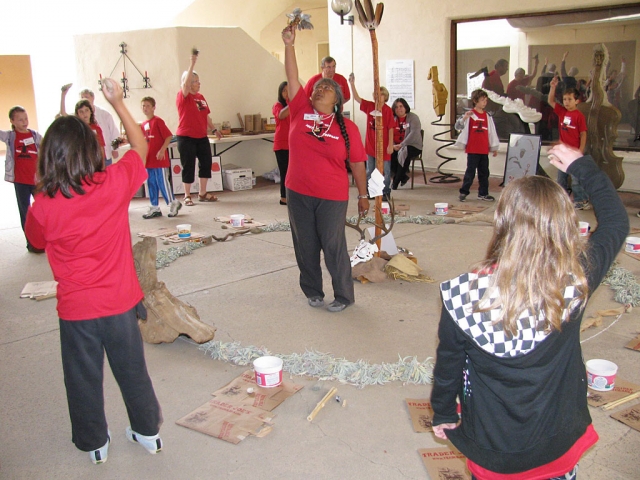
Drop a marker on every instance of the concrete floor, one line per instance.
(248, 289)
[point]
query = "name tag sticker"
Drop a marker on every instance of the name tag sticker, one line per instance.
(311, 116)
(28, 141)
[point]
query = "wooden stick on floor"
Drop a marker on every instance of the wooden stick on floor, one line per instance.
(321, 403)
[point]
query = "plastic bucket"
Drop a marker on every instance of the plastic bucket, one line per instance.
(584, 228)
(385, 209)
(632, 245)
(442, 208)
(184, 230)
(268, 371)
(237, 220)
(601, 374)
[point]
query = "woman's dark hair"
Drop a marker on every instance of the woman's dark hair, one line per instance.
(69, 156)
(404, 104)
(281, 99)
(86, 103)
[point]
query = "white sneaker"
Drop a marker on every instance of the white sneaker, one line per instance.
(174, 208)
(151, 444)
(100, 456)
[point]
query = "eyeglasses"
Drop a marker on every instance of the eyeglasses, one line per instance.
(325, 87)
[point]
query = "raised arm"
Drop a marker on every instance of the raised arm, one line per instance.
(352, 82)
(552, 92)
(290, 62)
(186, 81)
(113, 93)
(63, 98)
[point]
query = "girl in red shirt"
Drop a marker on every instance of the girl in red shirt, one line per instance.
(281, 138)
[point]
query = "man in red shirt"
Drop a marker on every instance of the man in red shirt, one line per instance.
(492, 81)
(328, 66)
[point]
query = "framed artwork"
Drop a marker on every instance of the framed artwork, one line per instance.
(523, 155)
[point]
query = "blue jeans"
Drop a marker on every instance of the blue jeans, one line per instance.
(371, 164)
(579, 195)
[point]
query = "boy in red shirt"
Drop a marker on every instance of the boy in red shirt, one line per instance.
(157, 162)
(22, 156)
(388, 125)
(478, 138)
(573, 132)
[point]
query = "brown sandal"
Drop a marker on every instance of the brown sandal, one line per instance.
(207, 197)
(188, 202)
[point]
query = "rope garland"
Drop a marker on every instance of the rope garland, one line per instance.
(325, 366)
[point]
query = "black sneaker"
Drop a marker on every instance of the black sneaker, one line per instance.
(316, 302)
(152, 213)
(336, 306)
(486, 198)
(463, 197)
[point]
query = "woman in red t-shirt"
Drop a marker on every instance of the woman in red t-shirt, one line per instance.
(321, 141)
(281, 138)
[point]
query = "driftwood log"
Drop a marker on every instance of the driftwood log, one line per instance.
(167, 316)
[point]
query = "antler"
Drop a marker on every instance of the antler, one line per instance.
(369, 19)
(383, 227)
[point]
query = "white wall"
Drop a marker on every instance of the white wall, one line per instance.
(236, 73)
(421, 30)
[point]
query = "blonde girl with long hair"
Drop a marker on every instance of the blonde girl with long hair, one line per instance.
(509, 333)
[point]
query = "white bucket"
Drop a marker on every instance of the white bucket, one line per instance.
(584, 228)
(184, 230)
(442, 208)
(268, 371)
(385, 209)
(601, 374)
(632, 245)
(237, 220)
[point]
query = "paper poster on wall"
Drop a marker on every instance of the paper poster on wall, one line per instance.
(400, 81)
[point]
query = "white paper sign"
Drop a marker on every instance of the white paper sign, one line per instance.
(400, 81)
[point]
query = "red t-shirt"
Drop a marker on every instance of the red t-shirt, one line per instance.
(192, 115)
(478, 142)
(399, 130)
(281, 137)
(558, 467)
(156, 132)
(570, 124)
(317, 161)
(388, 122)
(87, 239)
(493, 83)
(339, 79)
(26, 158)
(512, 91)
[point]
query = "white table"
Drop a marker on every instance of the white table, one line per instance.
(234, 140)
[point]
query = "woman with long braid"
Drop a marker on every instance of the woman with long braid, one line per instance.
(321, 141)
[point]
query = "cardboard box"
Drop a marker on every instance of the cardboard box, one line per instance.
(236, 178)
(214, 184)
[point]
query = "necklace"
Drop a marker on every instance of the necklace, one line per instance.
(318, 123)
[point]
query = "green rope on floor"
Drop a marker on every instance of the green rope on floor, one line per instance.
(165, 257)
(325, 366)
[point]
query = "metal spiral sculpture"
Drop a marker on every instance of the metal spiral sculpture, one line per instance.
(443, 177)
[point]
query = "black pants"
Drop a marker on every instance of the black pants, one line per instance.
(402, 171)
(481, 163)
(282, 157)
(318, 225)
(83, 345)
(190, 149)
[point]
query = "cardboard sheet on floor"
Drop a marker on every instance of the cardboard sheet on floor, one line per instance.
(159, 232)
(265, 398)
(621, 389)
(634, 344)
(233, 414)
(248, 222)
(39, 290)
(459, 210)
(629, 416)
(195, 237)
(421, 414)
(445, 463)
